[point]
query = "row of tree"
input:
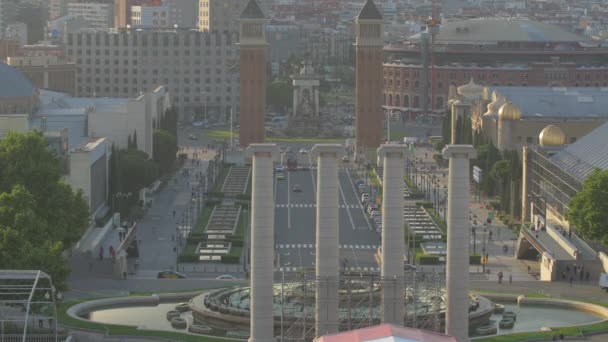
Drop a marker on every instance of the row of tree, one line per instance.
(131, 169)
(40, 215)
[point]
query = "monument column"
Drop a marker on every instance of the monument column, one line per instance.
(393, 239)
(262, 242)
(369, 79)
(252, 47)
(327, 258)
(457, 260)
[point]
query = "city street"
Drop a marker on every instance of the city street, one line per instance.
(295, 223)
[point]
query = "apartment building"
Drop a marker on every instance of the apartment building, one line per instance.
(150, 17)
(199, 68)
(219, 15)
(97, 15)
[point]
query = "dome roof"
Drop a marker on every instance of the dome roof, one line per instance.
(494, 106)
(509, 111)
(552, 136)
(471, 90)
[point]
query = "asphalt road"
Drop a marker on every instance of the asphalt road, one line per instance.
(295, 223)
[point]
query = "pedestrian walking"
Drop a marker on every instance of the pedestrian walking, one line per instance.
(500, 275)
(510, 278)
(569, 233)
(101, 253)
(529, 269)
(571, 280)
(587, 276)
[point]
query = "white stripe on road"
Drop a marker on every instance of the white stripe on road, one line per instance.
(350, 217)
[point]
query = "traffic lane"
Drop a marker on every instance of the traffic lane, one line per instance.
(281, 190)
(358, 214)
(303, 226)
(306, 182)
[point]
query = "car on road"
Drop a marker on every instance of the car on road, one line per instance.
(279, 168)
(198, 123)
(280, 176)
(409, 267)
(345, 159)
(296, 188)
(226, 277)
(303, 151)
(171, 275)
(192, 137)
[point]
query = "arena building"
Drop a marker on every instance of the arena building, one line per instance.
(494, 52)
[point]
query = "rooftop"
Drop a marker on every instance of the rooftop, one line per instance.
(14, 83)
(387, 333)
(580, 158)
(252, 11)
(535, 102)
(491, 30)
(370, 11)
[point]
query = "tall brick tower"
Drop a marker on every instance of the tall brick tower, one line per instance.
(369, 78)
(253, 74)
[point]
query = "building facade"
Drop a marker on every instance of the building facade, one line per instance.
(97, 15)
(46, 67)
(252, 75)
(369, 58)
(199, 68)
(57, 8)
(494, 52)
(150, 17)
(219, 15)
(88, 171)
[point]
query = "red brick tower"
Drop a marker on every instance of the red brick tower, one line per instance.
(253, 74)
(369, 78)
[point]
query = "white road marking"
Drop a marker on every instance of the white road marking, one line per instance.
(359, 200)
(288, 201)
(350, 217)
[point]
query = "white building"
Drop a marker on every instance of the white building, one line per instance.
(150, 17)
(134, 117)
(57, 8)
(98, 15)
(199, 68)
(88, 171)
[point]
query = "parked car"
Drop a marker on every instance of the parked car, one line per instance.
(303, 151)
(226, 277)
(192, 137)
(171, 275)
(280, 176)
(345, 159)
(297, 188)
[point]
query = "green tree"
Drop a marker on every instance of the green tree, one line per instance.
(279, 96)
(588, 209)
(40, 215)
(165, 150)
(136, 170)
(134, 139)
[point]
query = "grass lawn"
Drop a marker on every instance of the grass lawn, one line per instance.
(438, 220)
(203, 219)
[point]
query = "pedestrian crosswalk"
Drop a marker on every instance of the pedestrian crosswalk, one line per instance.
(313, 246)
(348, 269)
(304, 205)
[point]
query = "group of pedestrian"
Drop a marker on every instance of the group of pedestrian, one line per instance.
(501, 275)
(577, 272)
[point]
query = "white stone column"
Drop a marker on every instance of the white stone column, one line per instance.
(262, 242)
(457, 261)
(327, 258)
(393, 238)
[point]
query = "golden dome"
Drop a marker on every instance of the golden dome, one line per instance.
(494, 106)
(552, 136)
(471, 90)
(509, 111)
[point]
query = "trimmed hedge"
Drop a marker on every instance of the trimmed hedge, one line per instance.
(424, 204)
(428, 260)
(188, 258)
(231, 259)
(475, 259)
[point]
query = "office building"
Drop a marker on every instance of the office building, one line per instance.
(97, 15)
(219, 15)
(149, 17)
(200, 69)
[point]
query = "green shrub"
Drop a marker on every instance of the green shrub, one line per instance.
(215, 194)
(188, 258)
(475, 259)
(424, 204)
(428, 260)
(244, 197)
(237, 243)
(212, 203)
(231, 259)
